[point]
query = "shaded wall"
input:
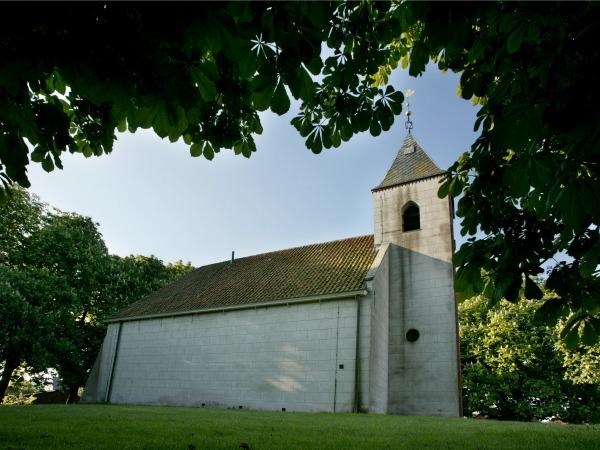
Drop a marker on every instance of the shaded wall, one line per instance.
(378, 285)
(97, 385)
(423, 376)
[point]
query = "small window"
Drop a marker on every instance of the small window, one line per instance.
(412, 335)
(411, 219)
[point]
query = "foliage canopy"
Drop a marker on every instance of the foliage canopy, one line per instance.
(70, 78)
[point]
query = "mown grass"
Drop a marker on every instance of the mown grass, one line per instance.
(153, 427)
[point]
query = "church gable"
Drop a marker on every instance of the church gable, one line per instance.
(312, 270)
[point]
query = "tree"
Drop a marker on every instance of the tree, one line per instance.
(33, 308)
(70, 248)
(515, 368)
(133, 277)
(199, 72)
(202, 72)
(530, 197)
(21, 216)
(25, 294)
(57, 286)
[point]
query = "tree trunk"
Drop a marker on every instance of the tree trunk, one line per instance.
(10, 365)
(73, 398)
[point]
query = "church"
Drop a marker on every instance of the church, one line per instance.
(367, 323)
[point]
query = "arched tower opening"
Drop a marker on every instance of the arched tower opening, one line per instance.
(411, 217)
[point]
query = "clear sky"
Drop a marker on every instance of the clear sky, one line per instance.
(151, 197)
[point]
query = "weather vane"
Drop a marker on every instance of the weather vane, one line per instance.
(408, 124)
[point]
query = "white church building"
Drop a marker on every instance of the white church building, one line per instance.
(366, 323)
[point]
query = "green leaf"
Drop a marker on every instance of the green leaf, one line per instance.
(517, 180)
(87, 151)
(571, 338)
(262, 91)
(209, 68)
(59, 83)
(455, 187)
(532, 290)
(590, 334)
(280, 103)
(302, 85)
(256, 126)
(550, 312)
(47, 164)
(212, 35)
(375, 128)
(397, 98)
(313, 141)
(208, 151)
(196, 149)
(206, 87)
(248, 64)
(161, 124)
(144, 117)
(588, 265)
(336, 139)
(37, 155)
(122, 126)
(326, 136)
(514, 40)
(243, 147)
(444, 189)
(315, 65)
(500, 288)
(345, 129)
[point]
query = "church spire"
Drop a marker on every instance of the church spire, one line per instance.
(408, 124)
(412, 162)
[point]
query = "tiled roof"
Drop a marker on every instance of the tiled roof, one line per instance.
(317, 269)
(411, 164)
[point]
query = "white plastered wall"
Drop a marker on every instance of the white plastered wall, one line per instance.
(264, 358)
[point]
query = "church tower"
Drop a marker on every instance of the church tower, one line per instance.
(413, 228)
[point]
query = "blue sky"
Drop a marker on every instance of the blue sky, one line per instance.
(151, 197)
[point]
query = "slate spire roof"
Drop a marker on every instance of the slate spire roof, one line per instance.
(412, 163)
(312, 270)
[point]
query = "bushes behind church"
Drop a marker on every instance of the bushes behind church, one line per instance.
(516, 369)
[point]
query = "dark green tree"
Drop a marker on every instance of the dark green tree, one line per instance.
(133, 277)
(24, 293)
(20, 217)
(70, 248)
(70, 77)
(34, 307)
(197, 72)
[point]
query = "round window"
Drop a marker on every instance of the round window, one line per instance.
(412, 335)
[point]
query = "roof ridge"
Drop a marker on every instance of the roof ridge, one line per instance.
(290, 248)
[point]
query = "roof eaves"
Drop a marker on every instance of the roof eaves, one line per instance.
(381, 188)
(254, 305)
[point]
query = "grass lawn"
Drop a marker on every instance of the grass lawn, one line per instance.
(154, 427)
